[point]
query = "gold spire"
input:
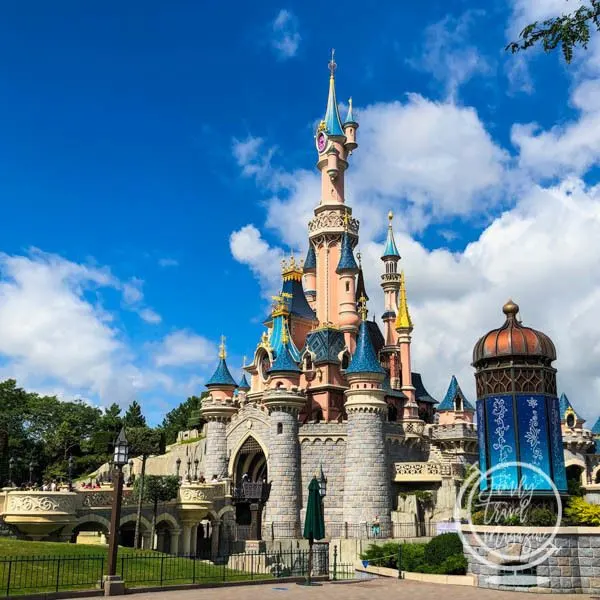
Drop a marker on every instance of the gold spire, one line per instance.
(222, 352)
(362, 308)
(403, 320)
(390, 217)
(346, 219)
(291, 269)
(284, 334)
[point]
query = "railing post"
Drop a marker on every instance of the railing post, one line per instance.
(346, 530)
(10, 562)
(194, 571)
(272, 531)
(334, 562)
(162, 565)
(399, 561)
(57, 574)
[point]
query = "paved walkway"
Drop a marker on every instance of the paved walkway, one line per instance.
(374, 589)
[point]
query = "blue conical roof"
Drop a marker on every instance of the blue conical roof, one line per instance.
(346, 262)
(564, 405)
(596, 427)
(454, 391)
(333, 123)
(244, 383)
(390, 250)
(364, 359)
(350, 116)
(221, 376)
(310, 264)
(284, 363)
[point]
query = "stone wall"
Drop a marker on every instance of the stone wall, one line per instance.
(215, 462)
(249, 420)
(573, 568)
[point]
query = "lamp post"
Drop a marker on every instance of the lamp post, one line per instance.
(130, 478)
(31, 465)
(11, 466)
(322, 484)
(178, 466)
(70, 470)
(196, 462)
(189, 471)
(119, 460)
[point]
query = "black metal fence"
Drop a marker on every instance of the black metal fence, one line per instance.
(30, 575)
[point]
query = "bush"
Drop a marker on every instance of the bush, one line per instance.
(442, 547)
(413, 557)
(541, 517)
(385, 555)
(580, 512)
(454, 565)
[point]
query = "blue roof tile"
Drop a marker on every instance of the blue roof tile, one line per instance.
(564, 405)
(448, 403)
(364, 359)
(221, 376)
(310, 263)
(596, 428)
(333, 122)
(244, 383)
(284, 363)
(346, 264)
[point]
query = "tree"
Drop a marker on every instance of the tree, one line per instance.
(155, 489)
(134, 417)
(568, 31)
(181, 418)
(143, 442)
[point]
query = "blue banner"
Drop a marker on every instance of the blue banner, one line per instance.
(501, 437)
(559, 474)
(534, 445)
(483, 484)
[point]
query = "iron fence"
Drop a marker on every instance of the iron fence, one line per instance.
(32, 575)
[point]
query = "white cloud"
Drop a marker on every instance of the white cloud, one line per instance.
(168, 262)
(447, 55)
(150, 316)
(182, 348)
(285, 35)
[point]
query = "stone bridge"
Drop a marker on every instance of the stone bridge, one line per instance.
(189, 524)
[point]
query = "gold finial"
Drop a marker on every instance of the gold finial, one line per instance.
(510, 309)
(359, 256)
(390, 217)
(332, 64)
(284, 335)
(346, 219)
(362, 307)
(403, 320)
(222, 352)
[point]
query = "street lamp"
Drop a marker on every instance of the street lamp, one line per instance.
(196, 462)
(70, 468)
(120, 456)
(31, 465)
(189, 471)
(178, 466)
(130, 479)
(11, 466)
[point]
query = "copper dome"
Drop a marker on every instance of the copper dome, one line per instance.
(513, 339)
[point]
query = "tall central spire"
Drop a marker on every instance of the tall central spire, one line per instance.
(333, 122)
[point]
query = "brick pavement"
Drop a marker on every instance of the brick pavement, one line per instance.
(374, 589)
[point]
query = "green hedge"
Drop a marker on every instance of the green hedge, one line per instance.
(442, 555)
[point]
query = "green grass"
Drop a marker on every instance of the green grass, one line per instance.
(78, 566)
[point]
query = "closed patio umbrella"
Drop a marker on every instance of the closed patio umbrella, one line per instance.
(314, 523)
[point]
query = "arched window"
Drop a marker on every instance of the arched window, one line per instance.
(571, 420)
(279, 428)
(345, 360)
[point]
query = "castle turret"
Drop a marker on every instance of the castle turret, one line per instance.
(284, 401)
(217, 410)
(350, 127)
(455, 408)
(367, 485)
(347, 270)
(310, 276)
(390, 282)
(404, 327)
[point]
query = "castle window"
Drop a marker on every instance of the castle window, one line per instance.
(458, 404)
(345, 360)
(571, 420)
(279, 428)
(347, 286)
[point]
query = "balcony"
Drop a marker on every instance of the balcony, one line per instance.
(250, 492)
(196, 499)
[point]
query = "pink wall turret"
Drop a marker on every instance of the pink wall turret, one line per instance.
(390, 282)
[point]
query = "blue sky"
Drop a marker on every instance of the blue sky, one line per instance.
(157, 161)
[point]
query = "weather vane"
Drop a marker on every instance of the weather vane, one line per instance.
(332, 63)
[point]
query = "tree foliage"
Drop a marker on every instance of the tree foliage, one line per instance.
(134, 417)
(181, 418)
(567, 31)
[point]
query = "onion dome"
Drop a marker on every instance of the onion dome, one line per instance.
(364, 359)
(243, 385)
(455, 400)
(390, 251)
(346, 264)
(284, 362)
(310, 263)
(221, 377)
(513, 339)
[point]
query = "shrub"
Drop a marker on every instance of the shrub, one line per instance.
(412, 557)
(385, 555)
(580, 512)
(541, 517)
(441, 547)
(454, 565)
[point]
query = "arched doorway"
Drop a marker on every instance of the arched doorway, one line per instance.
(204, 537)
(163, 537)
(127, 534)
(574, 479)
(90, 532)
(250, 476)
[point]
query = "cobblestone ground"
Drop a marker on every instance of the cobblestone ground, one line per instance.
(374, 589)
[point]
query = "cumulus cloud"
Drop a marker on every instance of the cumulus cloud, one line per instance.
(168, 262)
(448, 56)
(285, 38)
(184, 348)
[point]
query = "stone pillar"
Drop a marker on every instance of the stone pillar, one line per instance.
(175, 535)
(215, 539)
(194, 539)
(187, 534)
(367, 479)
(255, 523)
(285, 497)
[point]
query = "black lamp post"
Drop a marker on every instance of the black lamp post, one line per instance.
(121, 454)
(70, 468)
(189, 471)
(178, 466)
(31, 465)
(11, 466)
(322, 484)
(130, 478)
(196, 469)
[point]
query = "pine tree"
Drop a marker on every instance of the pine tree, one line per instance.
(134, 417)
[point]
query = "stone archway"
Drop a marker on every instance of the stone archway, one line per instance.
(83, 530)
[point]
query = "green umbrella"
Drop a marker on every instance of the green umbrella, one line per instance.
(314, 523)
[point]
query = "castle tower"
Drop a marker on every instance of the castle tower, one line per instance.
(366, 485)
(455, 408)
(518, 419)
(404, 327)
(347, 270)
(310, 276)
(332, 218)
(284, 401)
(217, 410)
(390, 282)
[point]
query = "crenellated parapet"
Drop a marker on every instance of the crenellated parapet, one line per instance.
(218, 410)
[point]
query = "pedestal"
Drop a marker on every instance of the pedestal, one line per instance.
(113, 585)
(255, 546)
(320, 558)
(255, 523)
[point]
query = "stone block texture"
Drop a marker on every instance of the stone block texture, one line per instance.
(215, 460)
